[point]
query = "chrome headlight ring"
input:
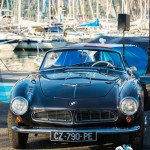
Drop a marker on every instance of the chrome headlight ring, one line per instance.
(129, 105)
(19, 105)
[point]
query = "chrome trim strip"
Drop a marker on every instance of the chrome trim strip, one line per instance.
(99, 119)
(49, 121)
(98, 130)
(74, 114)
(74, 94)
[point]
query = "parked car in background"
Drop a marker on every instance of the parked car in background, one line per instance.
(81, 93)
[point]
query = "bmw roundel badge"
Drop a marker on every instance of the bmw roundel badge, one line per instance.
(73, 103)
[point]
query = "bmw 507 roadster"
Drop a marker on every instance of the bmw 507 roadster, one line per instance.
(80, 92)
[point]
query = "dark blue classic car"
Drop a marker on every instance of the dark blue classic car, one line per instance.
(80, 93)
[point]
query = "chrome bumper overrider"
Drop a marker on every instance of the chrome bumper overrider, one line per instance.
(98, 130)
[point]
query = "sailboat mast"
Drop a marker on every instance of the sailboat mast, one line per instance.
(19, 15)
(49, 11)
(107, 12)
(91, 9)
(73, 8)
(83, 11)
(82, 8)
(2, 3)
(54, 7)
(77, 7)
(108, 9)
(58, 10)
(29, 16)
(69, 8)
(38, 9)
(145, 9)
(122, 6)
(97, 9)
(141, 9)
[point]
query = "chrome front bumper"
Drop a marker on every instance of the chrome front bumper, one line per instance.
(98, 130)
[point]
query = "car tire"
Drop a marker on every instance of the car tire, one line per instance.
(17, 140)
(136, 139)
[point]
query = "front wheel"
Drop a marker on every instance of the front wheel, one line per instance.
(136, 139)
(17, 140)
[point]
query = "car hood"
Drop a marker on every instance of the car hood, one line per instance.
(78, 87)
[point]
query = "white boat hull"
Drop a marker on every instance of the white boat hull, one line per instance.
(74, 38)
(8, 41)
(47, 44)
(8, 46)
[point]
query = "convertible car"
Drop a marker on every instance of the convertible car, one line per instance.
(80, 93)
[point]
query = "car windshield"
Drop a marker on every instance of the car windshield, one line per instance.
(83, 58)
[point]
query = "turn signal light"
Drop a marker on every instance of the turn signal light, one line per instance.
(19, 119)
(128, 119)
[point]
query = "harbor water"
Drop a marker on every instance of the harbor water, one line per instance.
(14, 61)
(18, 60)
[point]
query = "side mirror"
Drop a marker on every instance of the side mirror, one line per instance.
(133, 70)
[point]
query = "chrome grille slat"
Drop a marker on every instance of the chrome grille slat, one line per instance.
(98, 116)
(52, 116)
(79, 116)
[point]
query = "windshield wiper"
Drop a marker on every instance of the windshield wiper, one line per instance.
(81, 69)
(54, 68)
(115, 67)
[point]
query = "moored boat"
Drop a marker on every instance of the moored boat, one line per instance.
(8, 41)
(33, 37)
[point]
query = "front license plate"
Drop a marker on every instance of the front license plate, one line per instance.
(73, 136)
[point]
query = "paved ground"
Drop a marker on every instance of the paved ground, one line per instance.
(43, 142)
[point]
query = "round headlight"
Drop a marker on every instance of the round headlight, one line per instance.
(129, 106)
(19, 105)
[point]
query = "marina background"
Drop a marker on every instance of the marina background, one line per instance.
(32, 26)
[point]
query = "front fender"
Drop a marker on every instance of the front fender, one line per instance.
(19, 89)
(24, 88)
(132, 88)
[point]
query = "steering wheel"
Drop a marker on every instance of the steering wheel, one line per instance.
(104, 62)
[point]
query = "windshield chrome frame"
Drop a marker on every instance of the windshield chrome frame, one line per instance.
(82, 48)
